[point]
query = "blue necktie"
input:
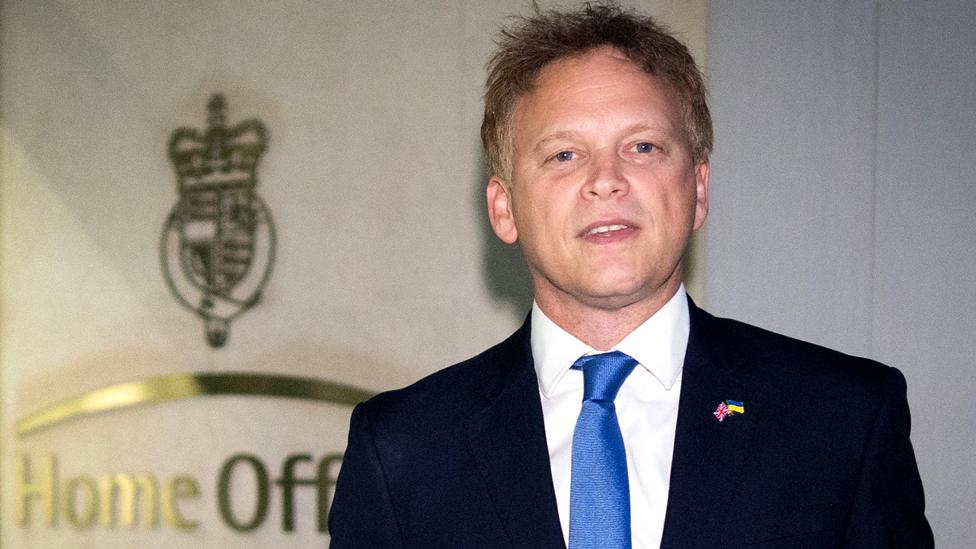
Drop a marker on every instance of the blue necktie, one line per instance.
(599, 495)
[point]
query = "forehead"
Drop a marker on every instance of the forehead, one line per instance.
(600, 86)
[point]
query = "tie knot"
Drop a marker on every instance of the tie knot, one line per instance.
(603, 374)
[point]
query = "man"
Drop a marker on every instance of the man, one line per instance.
(620, 414)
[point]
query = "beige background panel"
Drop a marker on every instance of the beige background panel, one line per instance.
(386, 269)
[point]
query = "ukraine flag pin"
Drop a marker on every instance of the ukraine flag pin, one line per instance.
(728, 408)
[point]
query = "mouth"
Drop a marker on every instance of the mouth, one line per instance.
(608, 231)
(604, 229)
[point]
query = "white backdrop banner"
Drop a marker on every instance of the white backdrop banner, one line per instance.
(189, 315)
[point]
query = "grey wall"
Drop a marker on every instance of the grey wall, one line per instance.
(843, 197)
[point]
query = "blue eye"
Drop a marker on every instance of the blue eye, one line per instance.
(644, 147)
(563, 156)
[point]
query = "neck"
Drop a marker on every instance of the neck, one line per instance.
(602, 325)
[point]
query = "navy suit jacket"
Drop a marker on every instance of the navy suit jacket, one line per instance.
(820, 458)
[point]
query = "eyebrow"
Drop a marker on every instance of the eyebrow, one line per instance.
(661, 130)
(570, 134)
(555, 136)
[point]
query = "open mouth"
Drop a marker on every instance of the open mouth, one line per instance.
(605, 229)
(608, 231)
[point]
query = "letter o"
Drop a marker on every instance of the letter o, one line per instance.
(223, 493)
(85, 518)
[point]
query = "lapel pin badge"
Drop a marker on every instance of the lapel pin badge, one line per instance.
(728, 408)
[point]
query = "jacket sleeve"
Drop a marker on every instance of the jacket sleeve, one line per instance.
(362, 511)
(889, 506)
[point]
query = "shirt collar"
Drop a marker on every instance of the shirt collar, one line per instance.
(658, 344)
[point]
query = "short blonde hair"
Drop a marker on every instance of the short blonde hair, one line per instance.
(533, 42)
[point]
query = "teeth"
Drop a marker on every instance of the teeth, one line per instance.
(607, 228)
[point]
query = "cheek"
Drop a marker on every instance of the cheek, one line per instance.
(679, 198)
(538, 212)
(535, 228)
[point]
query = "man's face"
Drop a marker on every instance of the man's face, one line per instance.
(603, 194)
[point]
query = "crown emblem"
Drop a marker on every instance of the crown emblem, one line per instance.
(222, 156)
(218, 243)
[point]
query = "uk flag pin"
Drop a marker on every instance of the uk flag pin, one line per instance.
(728, 408)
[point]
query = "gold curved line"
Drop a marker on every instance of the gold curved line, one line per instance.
(178, 386)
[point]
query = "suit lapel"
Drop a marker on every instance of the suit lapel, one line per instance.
(707, 453)
(508, 442)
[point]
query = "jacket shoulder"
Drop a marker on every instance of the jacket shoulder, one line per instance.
(455, 389)
(798, 368)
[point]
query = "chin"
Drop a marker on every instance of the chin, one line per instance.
(623, 291)
(614, 297)
(617, 284)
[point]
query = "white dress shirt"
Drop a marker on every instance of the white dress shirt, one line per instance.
(647, 408)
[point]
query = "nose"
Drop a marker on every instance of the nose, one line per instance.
(605, 178)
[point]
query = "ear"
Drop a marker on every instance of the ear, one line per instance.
(500, 210)
(701, 194)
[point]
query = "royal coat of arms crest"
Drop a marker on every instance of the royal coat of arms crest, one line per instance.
(218, 242)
